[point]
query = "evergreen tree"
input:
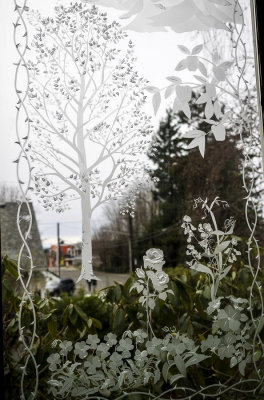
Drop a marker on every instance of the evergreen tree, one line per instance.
(183, 175)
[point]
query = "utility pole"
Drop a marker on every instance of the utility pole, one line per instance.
(58, 250)
(130, 242)
(257, 10)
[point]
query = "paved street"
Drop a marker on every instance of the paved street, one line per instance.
(106, 278)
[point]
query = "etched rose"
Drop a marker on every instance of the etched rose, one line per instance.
(162, 278)
(154, 259)
(140, 273)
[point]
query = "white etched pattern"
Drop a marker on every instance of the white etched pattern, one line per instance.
(22, 118)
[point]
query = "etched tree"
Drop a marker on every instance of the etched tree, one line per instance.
(89, 127)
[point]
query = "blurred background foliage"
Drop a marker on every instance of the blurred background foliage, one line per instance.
(179, 177)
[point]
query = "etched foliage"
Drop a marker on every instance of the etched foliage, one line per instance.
(115, 365)
(86, 100)
(121, 365)
(212, 80)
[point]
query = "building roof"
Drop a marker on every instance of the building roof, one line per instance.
(11, 241)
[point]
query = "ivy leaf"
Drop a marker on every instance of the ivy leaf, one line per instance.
(119, 321)
(81, 313)
(52, 327)
(156, 102)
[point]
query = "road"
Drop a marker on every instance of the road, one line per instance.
(106, 278)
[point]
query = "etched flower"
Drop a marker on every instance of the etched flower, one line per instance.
(154, 259)
(81, 349)
(125, 344)
(92, 341)
(211, 342)
(66, 347)
(115, 360)
(54, 360)
(110, 338)
(140, 273)
(159, 280)
(140, 335)
(92, 363)
(103, 350)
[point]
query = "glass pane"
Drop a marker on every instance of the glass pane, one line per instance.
(132, 217)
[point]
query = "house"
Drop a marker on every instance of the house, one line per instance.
(11, 240)
(70, 254)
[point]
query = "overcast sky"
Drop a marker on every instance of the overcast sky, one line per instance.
(157, 57)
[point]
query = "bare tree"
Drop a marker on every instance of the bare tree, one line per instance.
(9, 193)
(87, 101)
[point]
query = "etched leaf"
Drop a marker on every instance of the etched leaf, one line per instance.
(151, 304)
(226, 64)
(197, 358)
(169, 91)
(184, 49)
(202, 68)
(156, 102)
(198, 142)
(219, 73)
(200, 78)
(209, 109)
(165, 370)
(186, 109)
(181, 65)
(221, 247)
(184, 93)
(217, 110)
(219, 132)
(180, 365)
(203, 268)
(163, 296)
(174, 79)
(242, 366)
(152, 89)
(203, 99)
(197, 49)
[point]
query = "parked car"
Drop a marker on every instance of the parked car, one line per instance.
(55, 287)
